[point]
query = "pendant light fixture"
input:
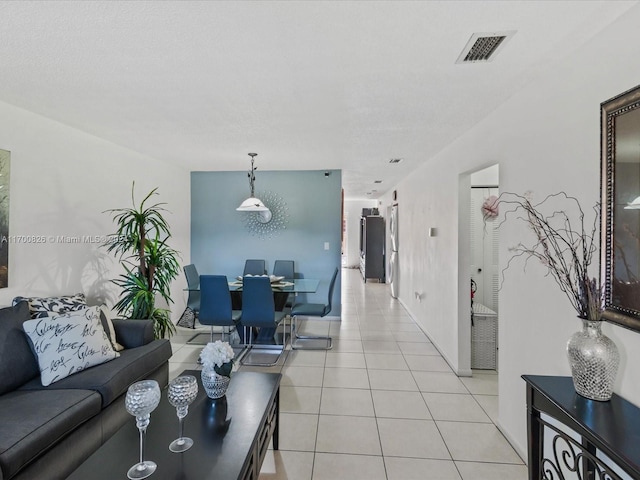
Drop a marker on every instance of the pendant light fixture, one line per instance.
(252, 204)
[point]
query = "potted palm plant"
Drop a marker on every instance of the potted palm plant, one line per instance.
(140, 243)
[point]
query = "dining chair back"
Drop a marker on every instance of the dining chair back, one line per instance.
(312, 310)
(284, 268)
(258, 311)
(254, 267)
(188, 317)
(193, 282)
(215, 303)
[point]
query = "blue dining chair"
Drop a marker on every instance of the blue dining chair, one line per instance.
(285, 268)
(312, 310)
(190, 314)
(215, 303)
(254, 267)
(193, 283)
(258, 311)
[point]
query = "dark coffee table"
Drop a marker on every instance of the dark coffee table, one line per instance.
(231, 435)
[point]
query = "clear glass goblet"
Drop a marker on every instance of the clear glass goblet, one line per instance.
(181, 392)
(142, 399)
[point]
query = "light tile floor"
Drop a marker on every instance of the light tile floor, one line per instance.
(382, 404)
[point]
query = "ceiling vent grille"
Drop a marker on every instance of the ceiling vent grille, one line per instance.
(395, 160)
(482, 47)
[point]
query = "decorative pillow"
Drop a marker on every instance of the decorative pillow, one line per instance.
(44, 306)
(107, 324)
(68, 343)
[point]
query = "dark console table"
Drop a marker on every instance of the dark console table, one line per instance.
(231, 435)
(611, 428)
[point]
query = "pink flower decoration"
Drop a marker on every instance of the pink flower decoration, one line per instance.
(490, 207)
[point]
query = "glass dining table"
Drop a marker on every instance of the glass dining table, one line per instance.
(281, 291)
(297, 285)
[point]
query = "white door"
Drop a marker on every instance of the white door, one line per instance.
(484, 250)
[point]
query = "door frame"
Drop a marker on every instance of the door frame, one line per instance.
(464, 271)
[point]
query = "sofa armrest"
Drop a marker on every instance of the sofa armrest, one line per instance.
(132, 333)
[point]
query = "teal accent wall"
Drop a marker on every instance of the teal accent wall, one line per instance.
(220, 242)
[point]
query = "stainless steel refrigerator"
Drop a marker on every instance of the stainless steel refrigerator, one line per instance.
(393, 258)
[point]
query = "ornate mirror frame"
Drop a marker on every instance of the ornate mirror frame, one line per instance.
(620, 196)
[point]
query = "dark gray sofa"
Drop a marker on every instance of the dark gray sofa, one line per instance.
(46, 432)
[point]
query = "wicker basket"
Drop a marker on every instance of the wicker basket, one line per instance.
(484, 339)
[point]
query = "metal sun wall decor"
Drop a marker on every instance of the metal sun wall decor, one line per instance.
(268, 226)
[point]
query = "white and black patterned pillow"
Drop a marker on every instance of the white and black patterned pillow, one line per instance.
(107, 324)
(68, 343)
(44, 306)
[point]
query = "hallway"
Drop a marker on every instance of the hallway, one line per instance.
(382, 404)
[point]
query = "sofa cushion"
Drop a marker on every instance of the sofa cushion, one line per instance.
(133, 333)
(69, 343)
(17, 363)
(112, 379)
(32, 421)
(45, 306)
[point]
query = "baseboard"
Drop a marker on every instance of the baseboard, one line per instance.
(520, 450)
(457, 371)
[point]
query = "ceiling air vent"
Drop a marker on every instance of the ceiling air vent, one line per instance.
(395, 160)
(482, 47)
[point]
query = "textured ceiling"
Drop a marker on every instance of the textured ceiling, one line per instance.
(307, 85)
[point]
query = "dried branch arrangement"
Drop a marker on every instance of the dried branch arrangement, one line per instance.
(563, 244)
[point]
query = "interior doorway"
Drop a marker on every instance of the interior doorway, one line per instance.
(484, 271)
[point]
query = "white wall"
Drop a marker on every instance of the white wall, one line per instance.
(545, 139)
(62, 180)
(353, 213)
